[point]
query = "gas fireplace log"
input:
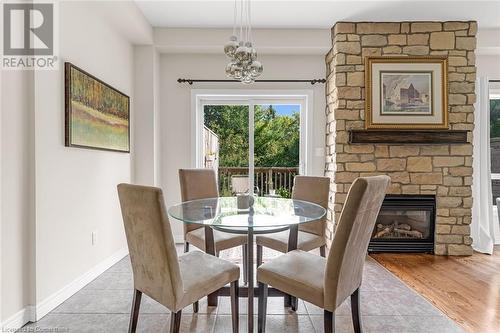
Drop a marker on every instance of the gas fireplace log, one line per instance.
(383, 232)
(413, 233)
(404, 226)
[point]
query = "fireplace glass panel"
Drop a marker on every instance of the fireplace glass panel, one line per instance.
(402, 224)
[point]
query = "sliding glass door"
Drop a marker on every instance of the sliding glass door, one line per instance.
(254, 144)
(226, 145)
(276, 147)
(494, 89)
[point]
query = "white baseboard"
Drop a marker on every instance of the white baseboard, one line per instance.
(18, 320)
(69, 290)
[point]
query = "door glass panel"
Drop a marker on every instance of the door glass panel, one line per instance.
(276, 148)
(226, 146)
(495, 138)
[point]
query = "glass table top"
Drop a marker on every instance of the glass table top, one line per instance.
(266, 212)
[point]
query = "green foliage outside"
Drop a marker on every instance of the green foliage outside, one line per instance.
(95, 95)
(495, 118)
(276, 137)
(284, 193)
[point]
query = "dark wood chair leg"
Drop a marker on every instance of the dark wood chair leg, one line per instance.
(261, 325)
(196, 307)
(329, 321)
(235, 304)
(322, 251)
(294, 303)
(134, 315)
(259, 255)
(186, 247)
(244, 249)
(213, 299)
(175, 321)
(355, 308)
(287, 301)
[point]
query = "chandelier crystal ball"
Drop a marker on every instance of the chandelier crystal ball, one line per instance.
(243, 65)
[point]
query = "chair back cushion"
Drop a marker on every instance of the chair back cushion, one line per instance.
(151, 244)
(239, 184)
(197, 184)
(315, 190)
(344, 268)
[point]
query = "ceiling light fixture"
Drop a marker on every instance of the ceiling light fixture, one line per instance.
(244, 65)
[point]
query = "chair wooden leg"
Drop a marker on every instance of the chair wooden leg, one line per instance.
(175, 321)
(235, 304)
(261, 325)
(287, 301)
(186, 247)
(355, 308)
(329, 321)
(196, 306)
(213, 299)
(134, 315)
(244, 249)
(322, 251)
(259, 255)
(294, 303)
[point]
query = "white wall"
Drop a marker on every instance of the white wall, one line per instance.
(146, 90)
(17, 228)
(488, 66)
(76, 188)
(176, 139)
(53, 196)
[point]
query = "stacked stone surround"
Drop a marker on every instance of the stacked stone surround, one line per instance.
(442, 170)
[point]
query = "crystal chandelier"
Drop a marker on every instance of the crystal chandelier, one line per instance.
(243, 65)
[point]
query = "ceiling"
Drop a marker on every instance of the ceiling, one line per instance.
(315, 14)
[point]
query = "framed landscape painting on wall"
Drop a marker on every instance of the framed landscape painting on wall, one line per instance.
(406, 93)
(97, 115)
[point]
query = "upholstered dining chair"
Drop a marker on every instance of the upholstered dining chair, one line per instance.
(311, 235)
(328, 282)
(174, 281)
(202, 184)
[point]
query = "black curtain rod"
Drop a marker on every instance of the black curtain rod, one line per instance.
(191, 81)
(494, 80)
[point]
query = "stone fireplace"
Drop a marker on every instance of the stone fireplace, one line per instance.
(440, 170)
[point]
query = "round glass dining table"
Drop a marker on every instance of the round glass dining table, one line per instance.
(266, 215)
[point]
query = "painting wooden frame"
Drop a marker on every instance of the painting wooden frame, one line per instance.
(108, 129)
(404, 92)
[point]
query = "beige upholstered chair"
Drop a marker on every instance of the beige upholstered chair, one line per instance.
(328, 282)
(158, 272)
(202, 184)
(311, 235)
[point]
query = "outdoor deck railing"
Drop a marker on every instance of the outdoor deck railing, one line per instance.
(265, 178)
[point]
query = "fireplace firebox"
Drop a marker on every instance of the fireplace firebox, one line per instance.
(405, 224)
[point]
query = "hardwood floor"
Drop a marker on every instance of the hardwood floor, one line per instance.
(467, 289)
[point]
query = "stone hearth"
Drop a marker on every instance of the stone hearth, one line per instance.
(442, 170)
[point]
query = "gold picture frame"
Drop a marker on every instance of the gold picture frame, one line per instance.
(393, 102)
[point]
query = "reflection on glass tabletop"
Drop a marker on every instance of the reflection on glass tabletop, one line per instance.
(266, 212)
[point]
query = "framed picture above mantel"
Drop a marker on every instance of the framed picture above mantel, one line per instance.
(97, 115)
(406, 92)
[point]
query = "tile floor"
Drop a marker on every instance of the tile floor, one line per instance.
(104, 306)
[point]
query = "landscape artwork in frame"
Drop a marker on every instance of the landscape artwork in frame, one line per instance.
(406, 93)
(97, 115)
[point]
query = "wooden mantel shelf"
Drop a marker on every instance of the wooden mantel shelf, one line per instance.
(408, 136)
